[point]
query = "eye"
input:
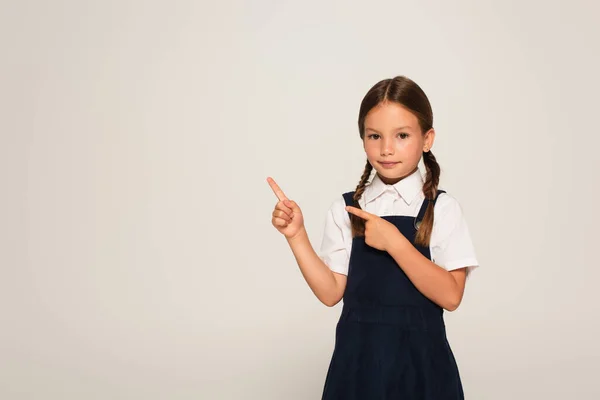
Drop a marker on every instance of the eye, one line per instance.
(373, 136)
(403, 135)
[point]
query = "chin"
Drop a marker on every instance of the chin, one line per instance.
(392, 174)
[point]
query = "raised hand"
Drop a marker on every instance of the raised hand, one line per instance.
(379, 233)
(287, 216)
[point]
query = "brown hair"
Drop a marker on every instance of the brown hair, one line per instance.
(408, 94)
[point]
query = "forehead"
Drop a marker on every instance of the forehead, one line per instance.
(389, 115)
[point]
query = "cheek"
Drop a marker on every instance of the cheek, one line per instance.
(371, 148)
(414, 146)
(404, 145)
(407, 146)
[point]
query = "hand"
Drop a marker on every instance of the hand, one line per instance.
(379, 233)
(287, 216)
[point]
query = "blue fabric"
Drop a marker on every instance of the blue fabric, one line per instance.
(390, 340)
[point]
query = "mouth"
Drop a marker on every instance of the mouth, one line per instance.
(388, 164)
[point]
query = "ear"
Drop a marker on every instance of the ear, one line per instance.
(429, 139)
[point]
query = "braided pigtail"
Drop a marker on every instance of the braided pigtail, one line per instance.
(358, 224)
(430, 188)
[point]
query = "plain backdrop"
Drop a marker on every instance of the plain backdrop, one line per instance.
(137, 255)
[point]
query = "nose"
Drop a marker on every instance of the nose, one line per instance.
(387, 147)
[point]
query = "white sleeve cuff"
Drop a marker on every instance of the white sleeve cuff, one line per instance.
(338, 267)
(470, 263)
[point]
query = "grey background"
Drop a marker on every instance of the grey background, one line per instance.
(137, 255)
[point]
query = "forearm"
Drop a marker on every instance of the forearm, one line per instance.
(317, 274)
(433, 281)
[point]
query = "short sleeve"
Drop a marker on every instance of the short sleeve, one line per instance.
(451, 245)
(337, 238)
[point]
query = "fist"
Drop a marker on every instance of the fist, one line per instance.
(287, 217)
(379, 233)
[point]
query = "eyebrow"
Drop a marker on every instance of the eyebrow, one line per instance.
(396, 129)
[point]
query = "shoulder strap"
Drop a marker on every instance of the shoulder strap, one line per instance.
(424, 207)
(348, 198)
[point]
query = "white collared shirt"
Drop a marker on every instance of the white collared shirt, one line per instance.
(450, 245)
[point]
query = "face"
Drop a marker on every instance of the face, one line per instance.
(394, 142)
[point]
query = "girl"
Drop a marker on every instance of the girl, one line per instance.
(397, 251)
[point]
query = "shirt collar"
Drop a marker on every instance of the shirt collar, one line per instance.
(407, 188)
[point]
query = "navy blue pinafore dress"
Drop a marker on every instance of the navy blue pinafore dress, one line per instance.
(390, 339)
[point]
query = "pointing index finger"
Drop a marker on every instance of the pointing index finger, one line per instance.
(277, 190)
(358, 212)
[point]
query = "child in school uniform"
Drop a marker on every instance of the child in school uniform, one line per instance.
(396, 250)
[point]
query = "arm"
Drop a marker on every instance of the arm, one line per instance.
(445, 288)
(327, 285)
(436, 283)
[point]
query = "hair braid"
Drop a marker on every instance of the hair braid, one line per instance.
(430, 187)
(358, 224)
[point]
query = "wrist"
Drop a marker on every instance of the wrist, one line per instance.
(396, 241)
(298, 236)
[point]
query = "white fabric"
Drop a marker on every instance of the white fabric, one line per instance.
(451, 246)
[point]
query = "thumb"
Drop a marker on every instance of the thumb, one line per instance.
(291, 204)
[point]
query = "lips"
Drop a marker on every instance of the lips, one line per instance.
(387, 164)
